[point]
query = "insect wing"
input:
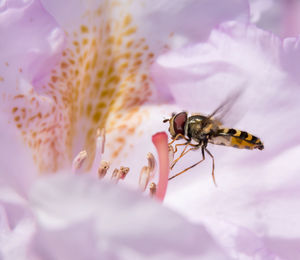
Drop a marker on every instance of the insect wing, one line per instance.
(227, 111)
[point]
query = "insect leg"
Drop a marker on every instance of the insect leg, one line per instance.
(177, 137)
(203, 158)
(195, 147)
(175, 150)
(213, 165)
(182, 153)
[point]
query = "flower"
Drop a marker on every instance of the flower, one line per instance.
(66, 73)
(88, 68)
(255, 209)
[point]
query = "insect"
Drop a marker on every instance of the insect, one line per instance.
(199, 130)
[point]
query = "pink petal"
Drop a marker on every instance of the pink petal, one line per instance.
(258, 9)
(79, 218)
(17, 167)
(32, 46)
(178, 21)
(17, 172)
(257, 190)
(290, 57)
(33, 42)
(278, 16)
(16, 225)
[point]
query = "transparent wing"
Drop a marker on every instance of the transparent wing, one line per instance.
(226, 105)
(228, 111)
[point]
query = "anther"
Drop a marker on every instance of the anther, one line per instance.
(78, 161)
(123, 172)
(152, 189)
(103, 168)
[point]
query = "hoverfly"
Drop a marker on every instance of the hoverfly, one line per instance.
(203, 130)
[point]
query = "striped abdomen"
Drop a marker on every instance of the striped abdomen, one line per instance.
(236, 138)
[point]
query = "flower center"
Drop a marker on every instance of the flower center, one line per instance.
(101, 168)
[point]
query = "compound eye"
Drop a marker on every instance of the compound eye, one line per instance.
(179, 123)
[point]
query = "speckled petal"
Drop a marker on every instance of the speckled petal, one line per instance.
(97, 220)
(32, 46)
(103, 75)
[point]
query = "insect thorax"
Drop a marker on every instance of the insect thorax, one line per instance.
(200, 128)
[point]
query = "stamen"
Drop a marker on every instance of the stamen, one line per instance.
(115, 175)
(152, 189)
(100, 142)
(160, 140)
(101, 134)
(119, 173)
(144, 178)
(78, 161)
(103, 168)
(147, 173)
(151, 162)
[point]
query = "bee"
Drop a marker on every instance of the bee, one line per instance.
(199, 130)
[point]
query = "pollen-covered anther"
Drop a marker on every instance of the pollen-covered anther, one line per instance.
(152, 189)
(103, 168)
(123, 172)
(78, 161)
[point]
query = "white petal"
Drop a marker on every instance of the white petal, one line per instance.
(79, 218)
